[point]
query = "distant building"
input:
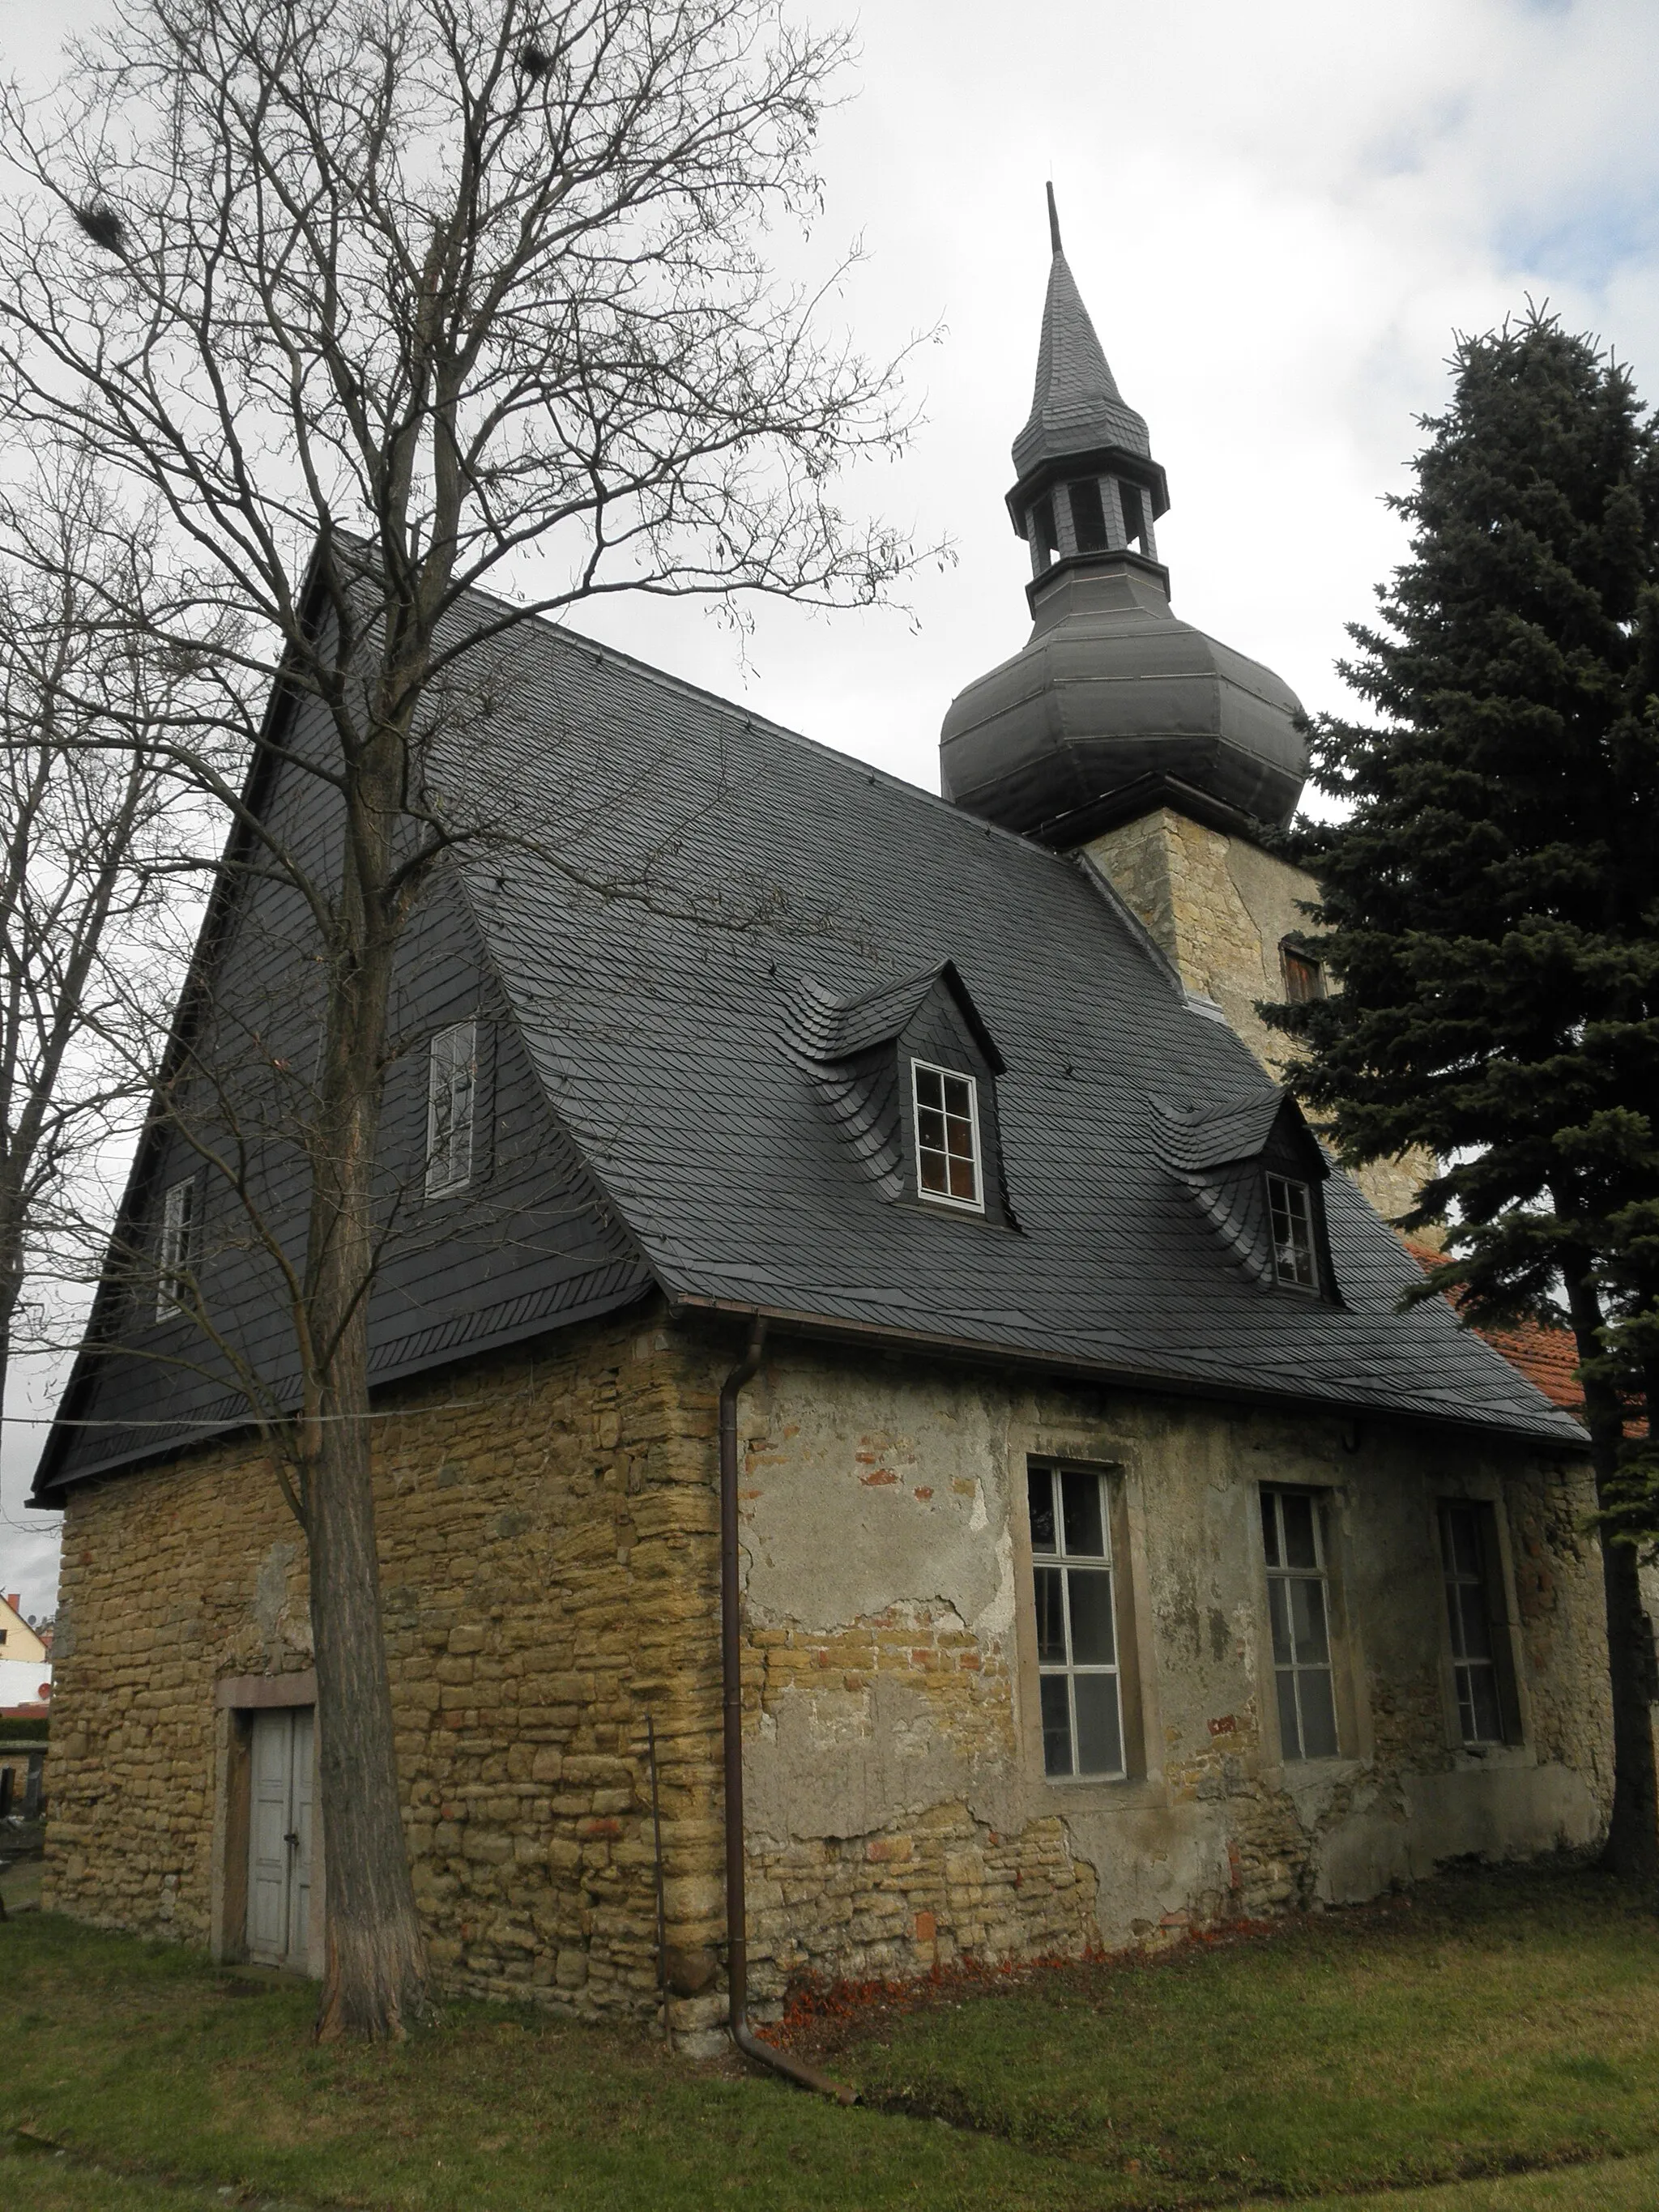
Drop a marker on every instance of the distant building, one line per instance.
(1114, 1556)
(25, 1664)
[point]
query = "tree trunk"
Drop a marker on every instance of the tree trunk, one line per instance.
(376, 1979)
(1633, 1846)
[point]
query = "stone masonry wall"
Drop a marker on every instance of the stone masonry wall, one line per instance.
(547, 1528)
(548, 1524)
(1219, 908)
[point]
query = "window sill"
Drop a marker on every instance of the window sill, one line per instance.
(955, 1209)
(1470, 1758)
(1096, 1793)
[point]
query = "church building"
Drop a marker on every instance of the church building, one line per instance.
(1109, 1555)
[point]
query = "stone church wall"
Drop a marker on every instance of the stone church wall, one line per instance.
(548, 1531)
(549, 1524)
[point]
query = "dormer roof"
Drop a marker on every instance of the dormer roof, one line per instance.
(1232, 1130)
(833, 1028)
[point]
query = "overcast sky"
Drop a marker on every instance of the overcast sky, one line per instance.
(1277, 216)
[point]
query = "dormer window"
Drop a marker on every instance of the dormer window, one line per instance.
(1257, 1175)
(1290, 1207)
(947, 1137)
(907, 1077)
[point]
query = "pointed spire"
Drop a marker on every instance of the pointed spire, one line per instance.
(1076, 407)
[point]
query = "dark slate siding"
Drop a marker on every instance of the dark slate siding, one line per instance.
(530, 1243)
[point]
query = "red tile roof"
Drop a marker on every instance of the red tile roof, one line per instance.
(1548, 1358)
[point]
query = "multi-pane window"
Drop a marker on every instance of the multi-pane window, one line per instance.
(174, 1255)
(1289, 1207)
(1299, 1613)
(947, 1136)
(1468, 1559)
(1304, 976)
(1077, 1633)
(451, 1087)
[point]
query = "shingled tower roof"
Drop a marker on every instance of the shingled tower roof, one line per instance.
(1075, 404)
(1113, 707)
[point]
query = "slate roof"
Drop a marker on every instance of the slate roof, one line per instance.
(1215, 1136)
(695, 881)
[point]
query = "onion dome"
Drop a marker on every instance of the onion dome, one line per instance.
(1113, 706)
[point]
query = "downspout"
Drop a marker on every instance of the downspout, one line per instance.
(737, 1906)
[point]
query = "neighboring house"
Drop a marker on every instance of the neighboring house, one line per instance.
(22, 1775)
(1115, 1556)
(25, 1664)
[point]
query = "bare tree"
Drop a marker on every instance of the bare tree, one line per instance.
(404, 296)
(92, 830)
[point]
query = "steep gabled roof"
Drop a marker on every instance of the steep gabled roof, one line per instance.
(686, 879)
(664, 1021)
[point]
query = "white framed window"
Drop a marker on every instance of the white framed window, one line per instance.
(948, 1154)
(1289, 1207)
(1474, 1615)
(175, 1252)
(1078, 1683)
(452, 1090)
(1299, 1614)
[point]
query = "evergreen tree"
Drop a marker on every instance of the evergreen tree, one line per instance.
(1493, 898)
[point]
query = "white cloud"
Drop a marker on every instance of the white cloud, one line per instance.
(1279, 217)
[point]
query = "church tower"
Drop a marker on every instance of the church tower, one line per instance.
(1121, 732)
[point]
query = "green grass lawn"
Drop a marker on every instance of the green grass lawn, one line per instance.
(1498, 2034)
(19, 1884)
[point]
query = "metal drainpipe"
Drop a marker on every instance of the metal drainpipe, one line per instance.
(737, 1907)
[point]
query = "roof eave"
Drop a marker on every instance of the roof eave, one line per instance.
(1568, 1436)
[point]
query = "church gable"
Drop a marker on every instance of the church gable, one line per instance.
(520, 1239)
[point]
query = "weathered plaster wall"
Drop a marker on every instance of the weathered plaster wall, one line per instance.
(1219, 908)
(548, 1528)
(899, 1812)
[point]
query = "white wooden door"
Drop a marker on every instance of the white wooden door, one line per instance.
(279, 1839)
